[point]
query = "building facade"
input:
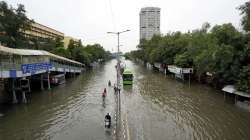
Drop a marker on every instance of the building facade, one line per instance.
(67, 39)
(149, 22)
(40, 31)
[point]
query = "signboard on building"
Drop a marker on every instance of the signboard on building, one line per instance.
(174, 69)
(177, 70)
(33, 68)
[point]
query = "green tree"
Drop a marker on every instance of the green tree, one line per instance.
(13, 23)
(87, 54)
(61, 52)
(205, 61)
(228, 35)
(244, 79)
(183, 60)
(245, 11)
(226, 68)
(59, 43)
(71, 48)
(82, 56)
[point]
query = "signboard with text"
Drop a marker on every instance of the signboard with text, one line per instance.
(33, 68)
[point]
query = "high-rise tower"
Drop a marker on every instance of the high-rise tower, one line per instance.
(149, 22)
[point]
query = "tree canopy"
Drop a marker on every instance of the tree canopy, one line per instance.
(12, 24)
(245, 11)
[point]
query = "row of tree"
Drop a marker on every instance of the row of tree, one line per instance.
(222, 50)
(14, 23)
(84, 54)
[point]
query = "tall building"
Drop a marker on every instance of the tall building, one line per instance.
(40, 31)
(149, 22)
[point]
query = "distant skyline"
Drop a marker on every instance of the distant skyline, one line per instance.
(90, 20)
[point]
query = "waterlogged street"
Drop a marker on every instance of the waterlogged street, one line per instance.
(159, 107)
(155, 107)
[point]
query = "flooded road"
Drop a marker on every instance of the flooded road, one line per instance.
(74, 110)
(159, 107)
(155, 107)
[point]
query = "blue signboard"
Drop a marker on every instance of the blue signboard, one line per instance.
(33, 68)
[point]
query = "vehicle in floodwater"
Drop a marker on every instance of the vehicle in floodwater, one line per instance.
(107, 121)
(127, 77)
(58, 79)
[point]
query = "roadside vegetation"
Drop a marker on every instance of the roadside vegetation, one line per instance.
(13, 23)
(222, 50)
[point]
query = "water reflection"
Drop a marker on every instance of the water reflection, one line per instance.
(167, 109)
(128, 88)
(103, 102)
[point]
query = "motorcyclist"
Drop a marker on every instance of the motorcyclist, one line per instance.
(108, 120)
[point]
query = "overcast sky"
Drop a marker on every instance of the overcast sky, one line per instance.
(89, 20)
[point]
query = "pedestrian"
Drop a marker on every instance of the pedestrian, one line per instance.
(105, 90)
(104, 93)
(114, 88)
(109, 83)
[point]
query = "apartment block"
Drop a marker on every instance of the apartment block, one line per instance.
(149, 22)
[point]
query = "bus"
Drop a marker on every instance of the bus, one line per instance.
(127, 77)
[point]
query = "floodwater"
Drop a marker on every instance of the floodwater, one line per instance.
(155, 107)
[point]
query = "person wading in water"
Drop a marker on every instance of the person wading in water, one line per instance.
(104, 94)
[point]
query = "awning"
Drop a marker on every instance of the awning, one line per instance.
(29, 52)
(229, 89)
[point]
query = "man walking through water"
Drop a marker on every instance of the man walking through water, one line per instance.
(104, 93)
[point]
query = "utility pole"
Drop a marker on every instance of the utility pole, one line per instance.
(118, 56)
(118, 77)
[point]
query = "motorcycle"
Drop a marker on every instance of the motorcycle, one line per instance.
(107, 123)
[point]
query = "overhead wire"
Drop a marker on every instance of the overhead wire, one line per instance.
(112, 15)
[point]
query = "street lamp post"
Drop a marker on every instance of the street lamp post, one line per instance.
(118, 71)
(118, 56)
